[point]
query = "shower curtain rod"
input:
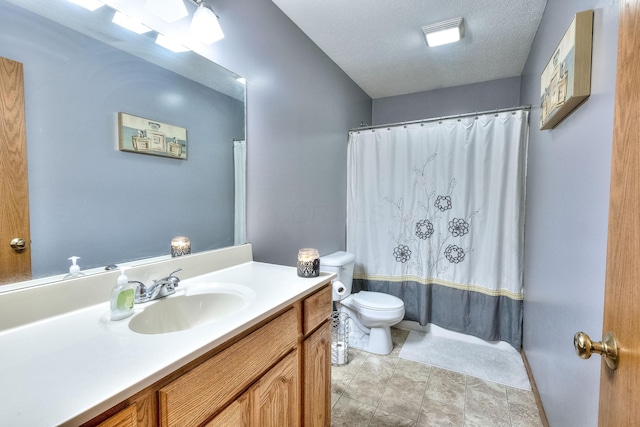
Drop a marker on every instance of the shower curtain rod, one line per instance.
(434, 119)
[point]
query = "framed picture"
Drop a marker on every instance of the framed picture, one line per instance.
(566, 80)
(145, 136)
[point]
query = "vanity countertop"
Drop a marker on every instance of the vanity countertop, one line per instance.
(66, 369)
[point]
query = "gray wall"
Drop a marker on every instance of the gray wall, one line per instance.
(566, 220)
(490, 95)
(86, 197)
(300, 106)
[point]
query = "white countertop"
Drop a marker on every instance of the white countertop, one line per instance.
(67, 369)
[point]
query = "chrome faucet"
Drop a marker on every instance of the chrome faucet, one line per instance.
(160, 288)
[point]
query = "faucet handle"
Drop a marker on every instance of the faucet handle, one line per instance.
(174, 279)
(140, 292)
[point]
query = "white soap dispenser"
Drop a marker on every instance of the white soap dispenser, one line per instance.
(74, 269)
(122, 297)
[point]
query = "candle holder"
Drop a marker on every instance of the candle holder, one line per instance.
(308, 263)
(180, 245)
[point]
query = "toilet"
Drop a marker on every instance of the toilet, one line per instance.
(371, 314)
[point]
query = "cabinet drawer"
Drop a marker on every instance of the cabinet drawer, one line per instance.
(317, 308)
(194, 397)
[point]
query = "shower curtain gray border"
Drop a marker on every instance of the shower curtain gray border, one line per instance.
(468, 312)
(435, 119)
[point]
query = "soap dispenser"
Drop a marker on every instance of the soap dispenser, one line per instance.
(74, 269)
(122, 297)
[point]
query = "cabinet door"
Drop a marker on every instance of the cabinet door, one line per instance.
(317, 378)
(275, 395)
(237, 414)
(128, 417)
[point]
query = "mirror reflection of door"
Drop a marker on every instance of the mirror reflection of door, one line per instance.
(15, 239)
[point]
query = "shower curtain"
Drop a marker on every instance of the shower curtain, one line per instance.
(435, 216)
(240, 207)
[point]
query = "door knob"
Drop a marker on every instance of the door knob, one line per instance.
(18, 244)
(608, 348)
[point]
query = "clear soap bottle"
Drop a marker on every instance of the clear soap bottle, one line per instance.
(74, 269)
(122, 298)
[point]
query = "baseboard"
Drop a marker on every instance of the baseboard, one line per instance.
(534, 388)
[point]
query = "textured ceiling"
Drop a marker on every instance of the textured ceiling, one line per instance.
(380, 45)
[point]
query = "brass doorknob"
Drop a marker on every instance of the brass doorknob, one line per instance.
(608, 348)
(18, 244)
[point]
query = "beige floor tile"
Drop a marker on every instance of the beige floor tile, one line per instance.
(446, 387)
(479, 401)
(366, 388)
(379, 391)
(521, 397)
(399, 336)
(483, 419)
(524, 415)
(334, 398)
(377, 362)
(448, 377)
(487, 387)
(403, 395)
(416, 368)
(438, 414)
(386, 419)
(351, 413)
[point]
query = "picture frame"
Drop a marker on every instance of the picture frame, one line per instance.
(145, 136)
(565, 82)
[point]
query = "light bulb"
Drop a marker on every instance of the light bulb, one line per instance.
(205, 26)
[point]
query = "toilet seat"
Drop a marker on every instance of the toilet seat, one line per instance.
(377, 301)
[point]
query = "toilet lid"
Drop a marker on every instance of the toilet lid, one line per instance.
(377, 301)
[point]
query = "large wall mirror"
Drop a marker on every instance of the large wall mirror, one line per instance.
(89, 199)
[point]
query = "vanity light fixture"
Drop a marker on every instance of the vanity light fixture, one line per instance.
(170, 44)
(88, 4)
(444, 32)
(130, 23)
(167, 10)
(204, 25)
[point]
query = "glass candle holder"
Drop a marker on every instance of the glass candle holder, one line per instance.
(308, 263)
(180, 245)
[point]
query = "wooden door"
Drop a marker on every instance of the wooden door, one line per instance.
(620, 389)
(15, 265)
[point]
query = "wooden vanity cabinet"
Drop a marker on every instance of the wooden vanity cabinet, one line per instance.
(127, 417)
(277, 375)
(316, 365)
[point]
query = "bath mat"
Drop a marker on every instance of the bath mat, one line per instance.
(499, 365)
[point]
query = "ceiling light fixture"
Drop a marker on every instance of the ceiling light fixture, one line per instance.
(167, 10)
(444, 32)
(170, 44)
(130, 23)
(88, 4)
(205, 26)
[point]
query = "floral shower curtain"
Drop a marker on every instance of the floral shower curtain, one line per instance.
(435, 216)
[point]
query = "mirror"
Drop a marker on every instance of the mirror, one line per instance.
(88, 198)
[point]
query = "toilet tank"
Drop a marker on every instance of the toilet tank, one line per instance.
(342, 264)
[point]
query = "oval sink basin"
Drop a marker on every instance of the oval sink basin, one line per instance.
(181, 312)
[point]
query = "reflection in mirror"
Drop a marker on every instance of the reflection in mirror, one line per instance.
(87, 198)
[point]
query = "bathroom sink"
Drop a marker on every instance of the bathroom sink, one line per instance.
(193, 307)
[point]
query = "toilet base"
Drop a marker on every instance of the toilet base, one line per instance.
(377, 341)
(380, 340)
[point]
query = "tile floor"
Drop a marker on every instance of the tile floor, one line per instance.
(376, 391)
